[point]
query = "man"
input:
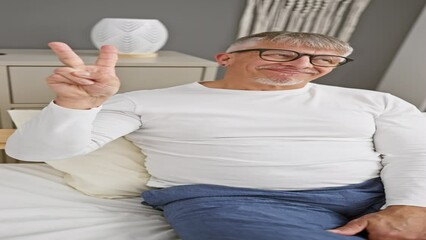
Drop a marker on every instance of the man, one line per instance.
(260, 154)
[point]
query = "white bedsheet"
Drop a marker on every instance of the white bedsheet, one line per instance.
(36, 204)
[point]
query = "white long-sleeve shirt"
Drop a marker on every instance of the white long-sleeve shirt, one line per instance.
(313, 137)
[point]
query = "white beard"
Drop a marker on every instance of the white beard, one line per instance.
(278, 82)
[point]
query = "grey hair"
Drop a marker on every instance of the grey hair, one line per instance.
(312, 40)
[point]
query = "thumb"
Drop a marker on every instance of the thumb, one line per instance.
(351, 228)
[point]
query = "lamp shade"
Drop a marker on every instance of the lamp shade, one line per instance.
(130, 36)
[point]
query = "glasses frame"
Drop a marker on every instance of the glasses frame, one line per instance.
(299, 55)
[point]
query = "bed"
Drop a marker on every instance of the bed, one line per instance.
(96, 196)
(36, 203)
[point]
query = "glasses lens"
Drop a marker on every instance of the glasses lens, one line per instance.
(327, 61)
(279, 55)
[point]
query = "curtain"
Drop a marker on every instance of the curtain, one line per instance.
(336, 18)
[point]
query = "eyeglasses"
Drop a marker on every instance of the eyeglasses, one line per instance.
(279, 55)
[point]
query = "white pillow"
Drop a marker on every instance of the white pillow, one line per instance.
(116, 170)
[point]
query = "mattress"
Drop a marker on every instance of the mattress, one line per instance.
(35, 203)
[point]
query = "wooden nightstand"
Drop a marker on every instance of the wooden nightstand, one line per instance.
(4, 134)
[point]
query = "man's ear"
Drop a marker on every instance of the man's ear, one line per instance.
(223, 59)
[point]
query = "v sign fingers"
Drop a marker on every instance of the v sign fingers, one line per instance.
(108, 57)
(66, 55)
(83, 86)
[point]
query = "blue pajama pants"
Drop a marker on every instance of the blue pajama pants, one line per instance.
(212, 212)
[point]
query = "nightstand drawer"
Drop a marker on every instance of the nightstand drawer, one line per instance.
(28, 83)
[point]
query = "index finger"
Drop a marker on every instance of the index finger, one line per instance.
(66, 55)
(108, 56)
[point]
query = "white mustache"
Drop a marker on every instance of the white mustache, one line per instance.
(278, 68)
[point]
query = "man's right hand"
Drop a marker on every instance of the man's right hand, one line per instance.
(81, 86)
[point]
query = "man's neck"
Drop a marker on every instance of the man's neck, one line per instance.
(224, 84)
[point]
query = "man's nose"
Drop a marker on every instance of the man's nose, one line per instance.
(302, 62)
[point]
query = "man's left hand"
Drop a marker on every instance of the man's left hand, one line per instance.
(392, 223)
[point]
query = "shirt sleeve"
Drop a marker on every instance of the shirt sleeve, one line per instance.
(400, 138)
(58, 133)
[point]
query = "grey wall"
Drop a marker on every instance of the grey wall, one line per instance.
(380, 32)
(406, 75)
(201, 28)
